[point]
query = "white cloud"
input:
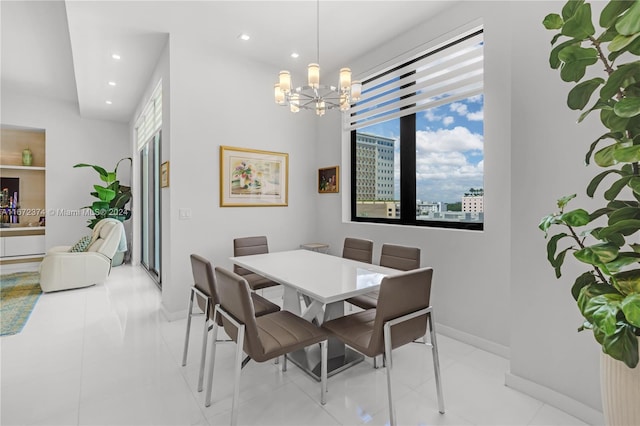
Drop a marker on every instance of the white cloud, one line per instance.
(475, 99)
(447, 121)
(458, 107)
(431, 115)
(458, 139)
(476, 116)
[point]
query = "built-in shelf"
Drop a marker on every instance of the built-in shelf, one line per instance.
(21, 228)
(8, 166)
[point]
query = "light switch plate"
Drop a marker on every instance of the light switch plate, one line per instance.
(184, 213)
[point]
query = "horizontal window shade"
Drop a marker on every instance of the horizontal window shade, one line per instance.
(150, 120)
(450, 73)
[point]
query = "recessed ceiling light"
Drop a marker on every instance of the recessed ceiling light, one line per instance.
(108, 102)
(295, 55)
(115, 56)
(244, 36)
(112, 83)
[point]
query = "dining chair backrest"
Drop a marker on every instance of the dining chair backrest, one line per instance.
(204, 280)
(246, 246)
(400, 257)
(358, 249)
(401, 294)
(235, 299)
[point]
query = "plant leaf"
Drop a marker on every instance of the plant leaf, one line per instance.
(616, 187)
(562, 202)
(100, 170)
(630, 23)
(613, 121)
(595, 182)
(612, 10)
(580, 95)
(583, 280)
(628, 107)
(578, 217)
(621, 41)
(617, 79)
(622, 345)
(579, 25)
(590, 291)
(603, 310)
(623, 260)
(105, 194)
(576, 60)
(630, 307)
(554, 60)
(625, 227)
(553, 21)
(598, 254)
(569, 9)
(627, 282)
(610, 135)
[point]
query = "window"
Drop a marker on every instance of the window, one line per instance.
(417, 140)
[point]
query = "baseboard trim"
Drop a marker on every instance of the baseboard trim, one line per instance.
(472, 340)
(556, 399)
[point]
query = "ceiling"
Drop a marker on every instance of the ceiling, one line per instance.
(62, 50)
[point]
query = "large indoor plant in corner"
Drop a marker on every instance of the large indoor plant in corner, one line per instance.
(607, 240)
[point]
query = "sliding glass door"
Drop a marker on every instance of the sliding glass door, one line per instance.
(150, 206)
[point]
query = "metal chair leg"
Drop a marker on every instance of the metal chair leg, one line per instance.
(186, 337)
(203, 356)
(284, 362)
(323, 373)
(213, 356)
(389, 363)
(436, 363)
(236, 387)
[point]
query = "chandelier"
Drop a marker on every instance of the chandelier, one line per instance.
(316, 96)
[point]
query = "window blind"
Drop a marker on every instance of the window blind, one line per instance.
(450, 72)
(150, 120)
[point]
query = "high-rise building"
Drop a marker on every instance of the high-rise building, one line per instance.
(374, 167)
(473, 201)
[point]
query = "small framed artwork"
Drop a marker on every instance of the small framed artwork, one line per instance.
(329, 180)
(164, 174)
(251, 178)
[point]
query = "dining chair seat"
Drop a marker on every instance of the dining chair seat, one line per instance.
(402, 316)
(261, 338)
(204, 292)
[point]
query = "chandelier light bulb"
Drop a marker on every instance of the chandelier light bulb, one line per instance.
(314, 75)
(320, 108)
(294, 105)
(344, 102)
(345, 78)
(278, 94)
(285, 81)
(356, 90)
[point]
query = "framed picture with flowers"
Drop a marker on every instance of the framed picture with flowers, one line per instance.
(252, 178)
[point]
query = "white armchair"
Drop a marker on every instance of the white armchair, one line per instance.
(63, 270)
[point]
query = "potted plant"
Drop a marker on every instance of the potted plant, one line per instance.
(606, 241)
(112, 199)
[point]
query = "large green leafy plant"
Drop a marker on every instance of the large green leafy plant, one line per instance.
(606, 240)
(112, 197)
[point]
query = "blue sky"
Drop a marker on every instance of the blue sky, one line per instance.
(450, 149)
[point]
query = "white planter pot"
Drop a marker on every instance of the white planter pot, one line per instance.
(620, 386)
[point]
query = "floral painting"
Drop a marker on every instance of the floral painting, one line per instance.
(252, 178)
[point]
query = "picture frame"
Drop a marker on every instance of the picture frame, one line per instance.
(329, 180)
(164, 174)
(253, 178)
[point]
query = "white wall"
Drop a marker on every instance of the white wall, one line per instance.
(216, 100)
(547, 162)
(70, 139)
(495, 288)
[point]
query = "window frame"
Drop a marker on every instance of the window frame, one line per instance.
(408, 161)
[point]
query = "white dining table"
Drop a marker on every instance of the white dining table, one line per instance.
(325, 282)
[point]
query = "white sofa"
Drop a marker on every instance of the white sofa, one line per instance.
(63, 270)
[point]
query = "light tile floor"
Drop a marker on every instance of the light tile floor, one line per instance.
(105, 355)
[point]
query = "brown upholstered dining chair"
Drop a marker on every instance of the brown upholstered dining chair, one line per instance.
(392, 256)
(358, 249)
(261, 338)
(247, 246)
(401, 317)
(205, 292)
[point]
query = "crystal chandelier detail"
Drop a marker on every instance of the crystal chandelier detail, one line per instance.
(316, 96)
